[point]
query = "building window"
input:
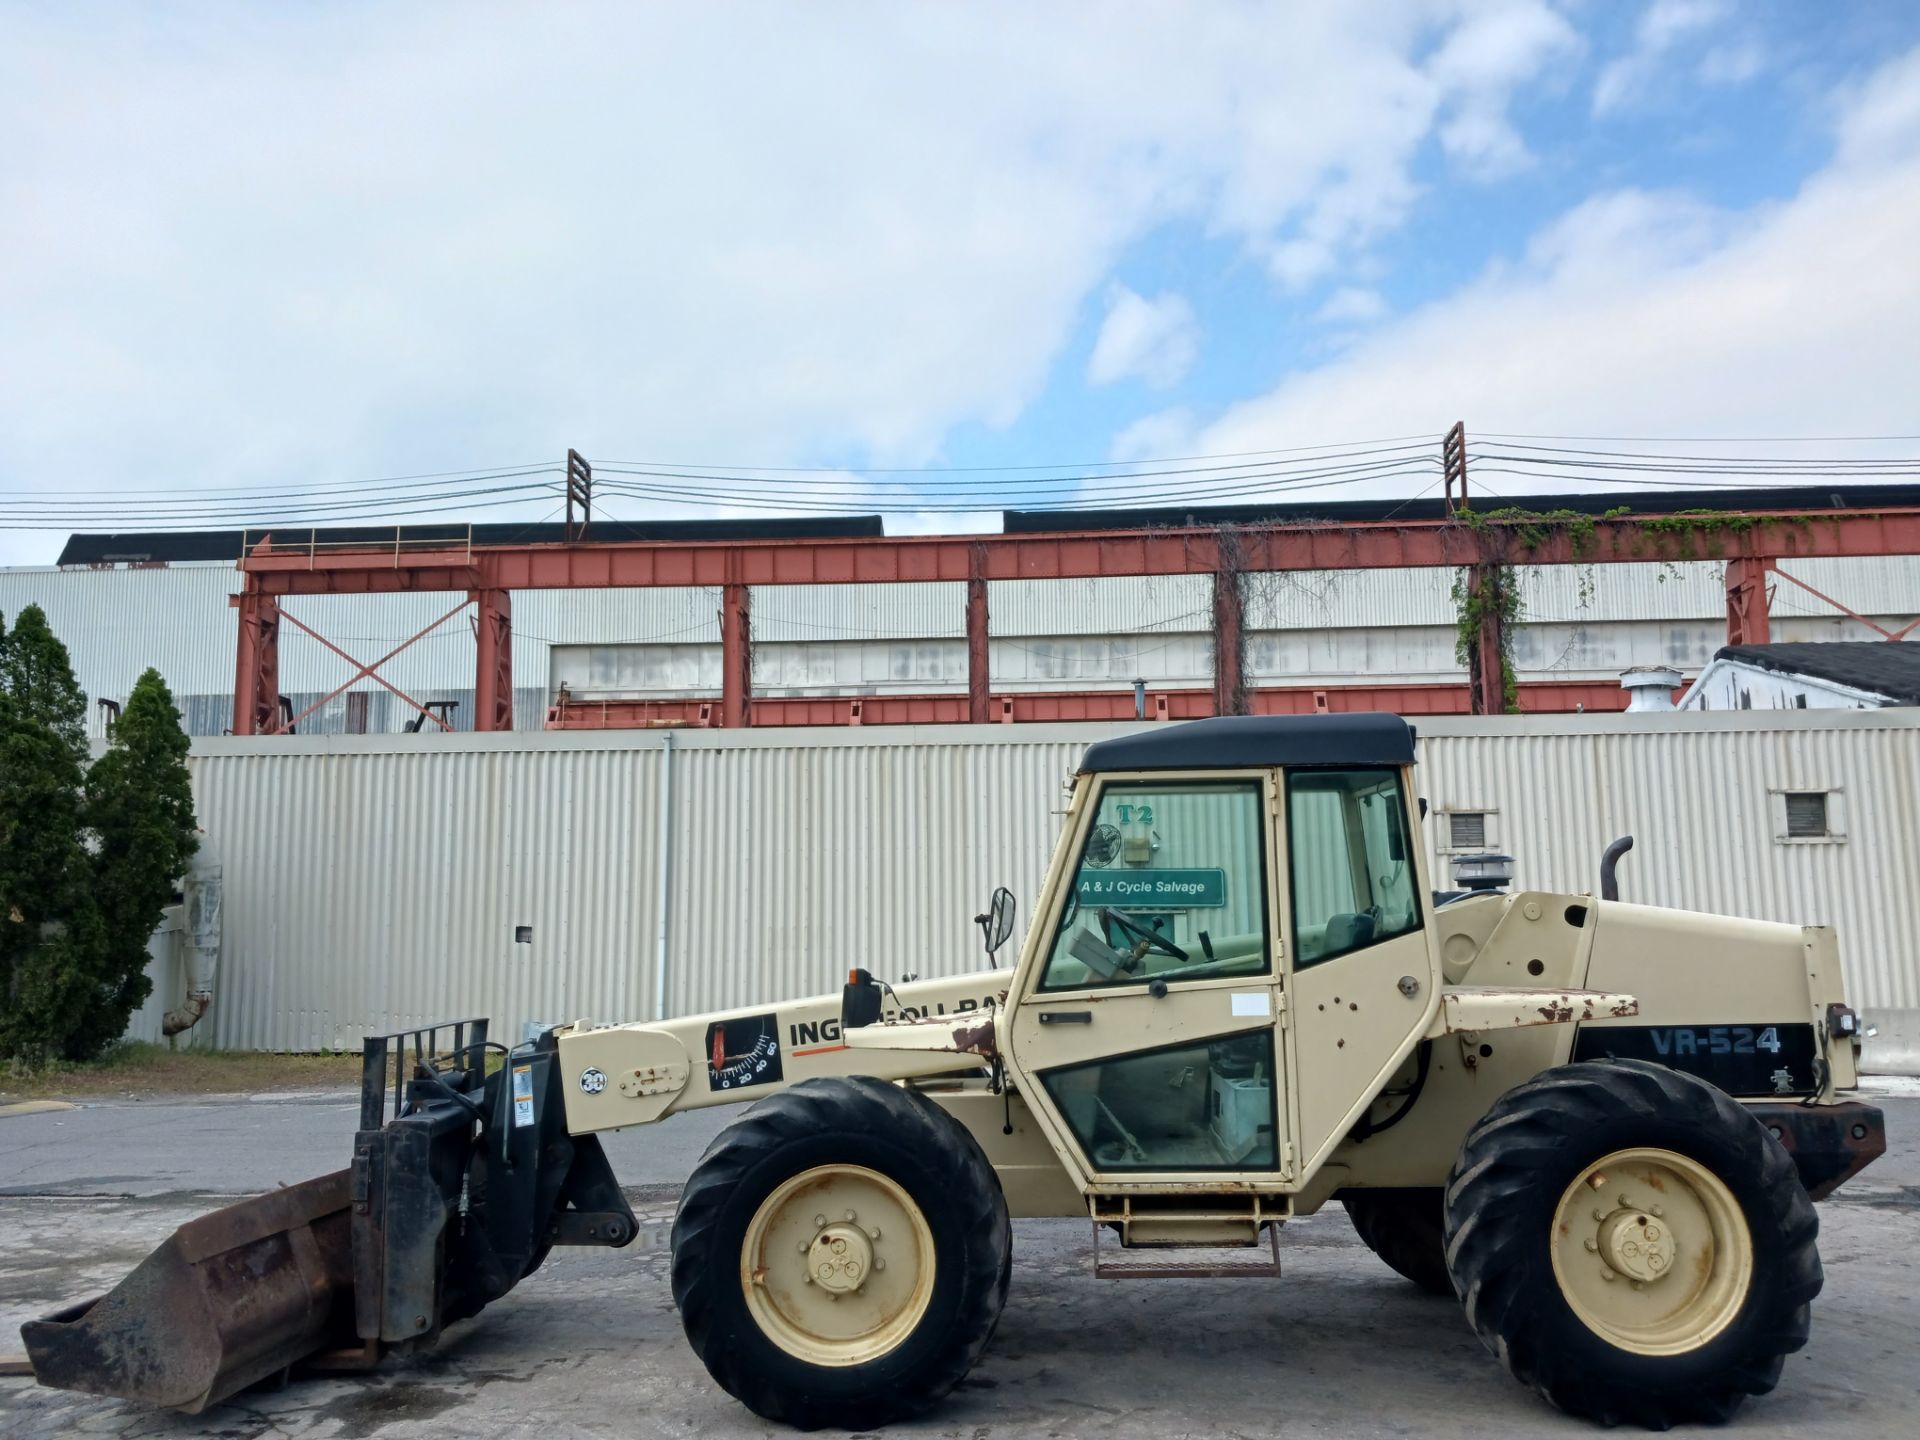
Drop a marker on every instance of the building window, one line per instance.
(1466, 831)
(1807, 815)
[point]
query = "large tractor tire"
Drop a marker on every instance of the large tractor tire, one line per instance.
(841, 1255)
(1404, 1228)
(1632, 1243)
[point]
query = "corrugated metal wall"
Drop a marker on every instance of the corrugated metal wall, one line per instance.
(1696, 797)
(373, 883)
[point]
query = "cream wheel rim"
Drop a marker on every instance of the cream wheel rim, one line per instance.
(1651, 1251)
(838, 1265)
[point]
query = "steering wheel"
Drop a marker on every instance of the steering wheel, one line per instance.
(1150, 938)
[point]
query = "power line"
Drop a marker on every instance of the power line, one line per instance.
(174, 523)
(1705, 465)
(1703, 439)
(505, 472)
(1059, 465)
(1159, 499)
(855, 480)
(1162, 482)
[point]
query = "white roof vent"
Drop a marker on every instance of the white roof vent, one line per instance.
(1650, 687)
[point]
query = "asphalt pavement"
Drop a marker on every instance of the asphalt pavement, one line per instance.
(590, 1345)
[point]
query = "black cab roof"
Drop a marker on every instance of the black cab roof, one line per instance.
(1230, 742)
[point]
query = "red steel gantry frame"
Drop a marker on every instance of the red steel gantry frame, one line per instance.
(489, 573)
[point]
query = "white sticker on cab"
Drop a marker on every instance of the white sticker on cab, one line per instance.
(1251, 1002)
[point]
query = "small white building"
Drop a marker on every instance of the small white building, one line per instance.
(1835, 675)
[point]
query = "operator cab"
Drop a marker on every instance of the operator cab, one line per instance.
(1214, 875)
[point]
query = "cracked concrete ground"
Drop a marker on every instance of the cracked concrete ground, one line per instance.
(591, 1346)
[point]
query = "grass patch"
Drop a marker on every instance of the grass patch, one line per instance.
(138, 1068)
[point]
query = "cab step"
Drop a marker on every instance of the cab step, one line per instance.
(1188, 1262)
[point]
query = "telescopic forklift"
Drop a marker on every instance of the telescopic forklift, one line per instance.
(1601, 1125)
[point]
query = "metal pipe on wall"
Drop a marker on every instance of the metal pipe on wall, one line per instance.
(665, 892)
(201, 889)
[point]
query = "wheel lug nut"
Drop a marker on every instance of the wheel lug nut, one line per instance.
(1656, 1210)
(1598, 1213)
(1592, 1249)
(879, 1264)
(851, 1215)
(819, 1222)
(1606, 1274)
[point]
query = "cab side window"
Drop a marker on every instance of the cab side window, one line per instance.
(1351, 862)
(1170, 885)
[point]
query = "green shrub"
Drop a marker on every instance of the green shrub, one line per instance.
(88, 854)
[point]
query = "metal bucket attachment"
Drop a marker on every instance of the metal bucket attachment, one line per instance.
(232, 1298)
(460, 1183)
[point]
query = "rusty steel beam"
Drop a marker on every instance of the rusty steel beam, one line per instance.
(1229, 640)
(1851, 614)
(1393, 544)
(1544, 697)
(1486, 651)
(1453, 467)
(493, 660)
(272, 570)
(365, 669)
(256, 676)
(736, 656)
(979, 654)
(1747, 618)
(571, 714)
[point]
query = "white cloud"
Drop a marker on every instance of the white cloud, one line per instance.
(1481, 63)
(1151, 436)
(1651, 314)
(1665, 22)
(1734, 63)
(1154, 340)
(303, 243)
(1663, 26)
(1351, 304)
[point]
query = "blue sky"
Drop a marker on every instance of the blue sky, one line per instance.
(245, 250)
(1742, 140)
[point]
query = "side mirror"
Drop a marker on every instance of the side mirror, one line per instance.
(997, 924)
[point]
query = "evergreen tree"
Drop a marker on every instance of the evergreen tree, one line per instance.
(37, 672)
(140, 806)
(88, 857)
(50, 932)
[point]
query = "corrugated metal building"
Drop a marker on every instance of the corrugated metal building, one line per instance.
(373, 882)
(1307, 627)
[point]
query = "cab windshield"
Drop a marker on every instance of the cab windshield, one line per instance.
(1169, 885)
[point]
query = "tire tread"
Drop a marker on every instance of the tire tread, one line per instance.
(1523, 1143)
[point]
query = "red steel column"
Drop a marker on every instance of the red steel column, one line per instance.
(493, 668)
(1486, 670)
(1747, 619)
(736, 656)
(256, 671)
(1229, 645)
(978, 669)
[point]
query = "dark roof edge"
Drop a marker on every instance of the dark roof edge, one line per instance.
(1237, 742)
